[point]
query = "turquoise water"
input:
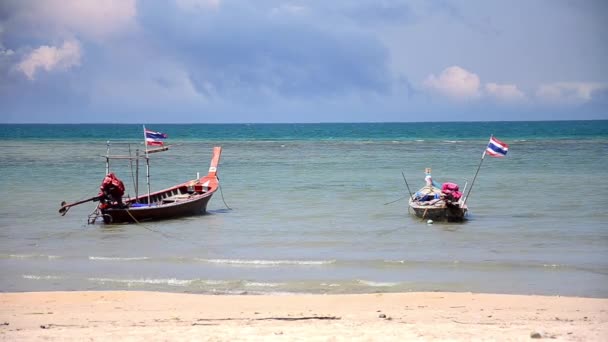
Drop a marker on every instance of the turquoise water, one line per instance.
(305, 208)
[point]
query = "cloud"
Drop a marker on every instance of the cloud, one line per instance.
(460, 84)
(168, 86)
(32, 32)
(60, 19)
(504, 92)
(454, 82)
(569, 92)
(251, 52)
(6, 52)
(290, 9)
(51, 58)
(375, 13)
(189, 5)
(272, 59)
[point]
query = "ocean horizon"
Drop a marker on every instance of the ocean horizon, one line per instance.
(314, 208)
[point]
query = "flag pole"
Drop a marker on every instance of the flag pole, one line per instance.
(137, 175)
(107, 157)
(147, 165)
(475, 177)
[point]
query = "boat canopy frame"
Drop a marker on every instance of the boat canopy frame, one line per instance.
(130, 157)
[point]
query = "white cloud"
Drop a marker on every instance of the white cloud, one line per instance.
(198, 4)
(504, 92)
(51, 58)
(568, 92)
(6, 52)
(455, 83)
(289, 9)
(95, 19)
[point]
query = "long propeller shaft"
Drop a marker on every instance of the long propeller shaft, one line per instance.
(66, 206)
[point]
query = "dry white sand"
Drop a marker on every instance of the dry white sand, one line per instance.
(154, 316)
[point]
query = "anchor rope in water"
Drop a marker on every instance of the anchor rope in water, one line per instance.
(396, 200)
(219, 185)
(165, 235)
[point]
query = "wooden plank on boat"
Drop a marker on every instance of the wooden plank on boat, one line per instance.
(162, 149)
(176, 198)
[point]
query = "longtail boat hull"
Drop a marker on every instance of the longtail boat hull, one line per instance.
(187, 199)
(195, 205)
(437, 209)
(444, 213)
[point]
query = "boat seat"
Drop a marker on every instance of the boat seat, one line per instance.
(176, 198)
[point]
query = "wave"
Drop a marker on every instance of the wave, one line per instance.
(376, 283)
(494, 265)
(40, 277)
(29, 256)
(219, 286)
(100, 258)
(261, 284)
(331, 284)
(145, 281)
(244, 262)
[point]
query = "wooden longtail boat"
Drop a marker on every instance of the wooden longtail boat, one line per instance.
(432, 204)
(448, 203)
(184, 199)
(437, 202)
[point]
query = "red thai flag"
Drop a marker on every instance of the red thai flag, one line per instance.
(497, 148)
(154, 138)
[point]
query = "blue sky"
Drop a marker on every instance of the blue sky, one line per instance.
(222, 61)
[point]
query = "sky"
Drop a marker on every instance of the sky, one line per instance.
(238, 61)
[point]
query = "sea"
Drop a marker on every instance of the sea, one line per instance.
(313, 208)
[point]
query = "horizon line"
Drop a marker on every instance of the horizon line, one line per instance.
(287, 123)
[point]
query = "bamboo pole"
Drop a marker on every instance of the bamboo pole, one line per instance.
(475, 177)
(107, 157)
(136, 174)
(147, 165)
(408, 187)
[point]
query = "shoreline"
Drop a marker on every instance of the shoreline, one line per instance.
(140, 315)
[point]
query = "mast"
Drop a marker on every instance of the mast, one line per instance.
(473, 181)
(147, 165)
(136, 173)
(107, 157)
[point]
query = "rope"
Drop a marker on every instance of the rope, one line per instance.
(396, 200)
(93, 215)
(167, 236)
(222, 193)
(134, 219)
(131, 167)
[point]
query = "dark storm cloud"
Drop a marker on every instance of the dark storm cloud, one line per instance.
(245, 48)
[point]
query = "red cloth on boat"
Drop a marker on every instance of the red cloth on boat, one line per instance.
(449, 187)
(112, 186)
(450, 190)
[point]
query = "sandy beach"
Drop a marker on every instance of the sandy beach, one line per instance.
(153, 316)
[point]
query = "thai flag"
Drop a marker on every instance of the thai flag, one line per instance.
(497, 148)
(154, 138)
